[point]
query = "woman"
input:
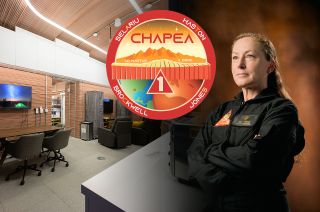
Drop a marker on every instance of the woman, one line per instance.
(246, 149)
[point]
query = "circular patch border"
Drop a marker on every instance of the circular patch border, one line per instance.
(188, 106)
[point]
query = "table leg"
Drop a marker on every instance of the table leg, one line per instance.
(3, 153)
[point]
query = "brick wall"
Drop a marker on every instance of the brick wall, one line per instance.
(81, 89)
(27, 118)
(74, 100)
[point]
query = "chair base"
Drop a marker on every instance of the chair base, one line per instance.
(24, 169)
(57, 157)
(43, 151)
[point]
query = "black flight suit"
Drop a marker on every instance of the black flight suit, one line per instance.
(245, 152)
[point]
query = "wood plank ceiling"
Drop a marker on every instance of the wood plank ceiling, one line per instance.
(82, 17)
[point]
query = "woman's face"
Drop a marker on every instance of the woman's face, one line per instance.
(249, 64)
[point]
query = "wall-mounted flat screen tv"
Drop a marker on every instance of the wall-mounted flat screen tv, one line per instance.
(15, 96)
(107, 105)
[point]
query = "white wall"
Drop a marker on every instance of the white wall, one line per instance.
(25, 49)
(7, 46)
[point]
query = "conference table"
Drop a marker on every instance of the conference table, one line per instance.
(9, 133)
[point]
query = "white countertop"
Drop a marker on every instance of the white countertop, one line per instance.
(142, 182)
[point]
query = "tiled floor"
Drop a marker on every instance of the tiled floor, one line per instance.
(59, 190)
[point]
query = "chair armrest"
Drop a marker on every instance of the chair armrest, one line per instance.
(138, 131)
(104, 130)
(48, 142)
(139, 136)
(106, 137)
(109, 136)
(49, 137)
(10, 146)
(50, 133)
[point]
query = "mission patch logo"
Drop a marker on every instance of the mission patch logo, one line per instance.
(161, 64)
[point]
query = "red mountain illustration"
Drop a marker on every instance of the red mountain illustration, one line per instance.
(158, 54)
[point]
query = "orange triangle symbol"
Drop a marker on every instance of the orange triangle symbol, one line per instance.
(225, 120)
(160, 85)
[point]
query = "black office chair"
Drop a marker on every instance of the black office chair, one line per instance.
(54, 144)
(24, 148)
(119, 136)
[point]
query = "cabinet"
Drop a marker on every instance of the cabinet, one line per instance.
(55, 110)
(94, 110)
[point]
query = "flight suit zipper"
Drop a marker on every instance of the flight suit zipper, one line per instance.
(243, 104)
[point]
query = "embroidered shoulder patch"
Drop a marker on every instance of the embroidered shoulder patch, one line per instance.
(225, 120)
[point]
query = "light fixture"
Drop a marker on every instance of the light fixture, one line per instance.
(95, 34)
(62, 28)
(117, 22)
(147, 6)
(110, 34)
(135, 6)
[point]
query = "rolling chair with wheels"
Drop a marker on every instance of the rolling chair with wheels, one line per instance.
(54, 144)
(24, 148)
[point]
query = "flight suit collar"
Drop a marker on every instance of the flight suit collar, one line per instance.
(265, 94)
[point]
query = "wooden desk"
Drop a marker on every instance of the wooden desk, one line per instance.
(7, 133)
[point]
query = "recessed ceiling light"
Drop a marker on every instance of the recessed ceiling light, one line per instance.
(117, 22)
(95, 34)
(147, 6)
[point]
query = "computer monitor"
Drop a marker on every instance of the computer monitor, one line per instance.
(107, 106)
(15, 96)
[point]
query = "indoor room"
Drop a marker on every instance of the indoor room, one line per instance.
(59, 85)
(70, 142)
